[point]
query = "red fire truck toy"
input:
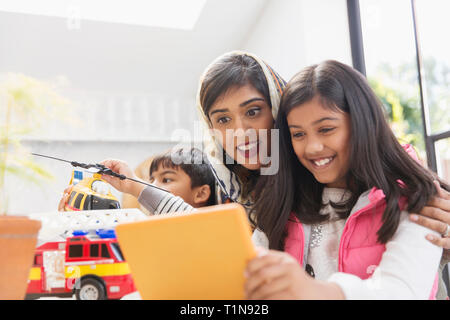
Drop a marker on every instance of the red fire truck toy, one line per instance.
(91, 267)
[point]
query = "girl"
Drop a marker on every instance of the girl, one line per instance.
(339, 204)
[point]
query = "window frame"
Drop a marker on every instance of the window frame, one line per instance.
(98, 250)
(357, 50)
(75, 246)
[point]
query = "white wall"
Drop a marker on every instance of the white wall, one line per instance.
(292, 34)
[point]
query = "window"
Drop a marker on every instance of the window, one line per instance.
(77, 202)
(105, 251)
(99, 203)
(408, 66)
(152, 13)
(75, 251)
(117, 252)
(87, 203)
(94, 250)
(72, 196)
(100, 187)
(443, 158)
(434, 54)
(391, 67)
(38, 260)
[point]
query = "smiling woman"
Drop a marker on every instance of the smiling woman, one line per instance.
(239, 118)
(238, 101)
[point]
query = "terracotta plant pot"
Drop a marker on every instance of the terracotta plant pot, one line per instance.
(18, 238)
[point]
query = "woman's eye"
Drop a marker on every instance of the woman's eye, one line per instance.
(297, 134)
(325, 130)
(166, 180)
(253, 112)
(223, 120)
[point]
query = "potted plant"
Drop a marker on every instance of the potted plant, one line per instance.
(25, 103)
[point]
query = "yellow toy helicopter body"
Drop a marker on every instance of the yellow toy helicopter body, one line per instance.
(90, 193)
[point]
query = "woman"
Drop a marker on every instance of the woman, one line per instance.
(238, 101)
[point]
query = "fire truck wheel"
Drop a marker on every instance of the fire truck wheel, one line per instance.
(91, 289)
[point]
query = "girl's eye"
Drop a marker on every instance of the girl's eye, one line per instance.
(253, 112)
(166, 180)
(325, 130)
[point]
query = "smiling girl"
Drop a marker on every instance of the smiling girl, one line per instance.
(340, 202)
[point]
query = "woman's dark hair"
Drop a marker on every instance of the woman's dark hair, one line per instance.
(376, 157)
(193, 162)
(231, 71)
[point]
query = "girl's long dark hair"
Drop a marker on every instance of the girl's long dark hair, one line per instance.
(376, 157)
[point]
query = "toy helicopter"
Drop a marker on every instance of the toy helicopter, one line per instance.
(90, 193)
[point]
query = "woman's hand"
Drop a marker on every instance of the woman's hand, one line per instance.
(126, 186)
(65, 198)
(436, 216)
(275, 275)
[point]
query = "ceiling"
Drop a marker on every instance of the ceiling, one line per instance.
(102, 56)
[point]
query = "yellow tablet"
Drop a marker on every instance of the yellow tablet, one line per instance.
(200, 255)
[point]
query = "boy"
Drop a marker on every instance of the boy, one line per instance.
(185, 173)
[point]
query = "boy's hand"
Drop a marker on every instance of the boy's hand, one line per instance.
(65, 198)
(436, 216)
(126, 186)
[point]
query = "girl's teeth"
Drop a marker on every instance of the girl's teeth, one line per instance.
(247, 147)
(322, 162)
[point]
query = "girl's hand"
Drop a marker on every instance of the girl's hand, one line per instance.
(65, 198)
(126, 186)
(436, 216)
(275, 275)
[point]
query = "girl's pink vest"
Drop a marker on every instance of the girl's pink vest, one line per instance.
(359, 251)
